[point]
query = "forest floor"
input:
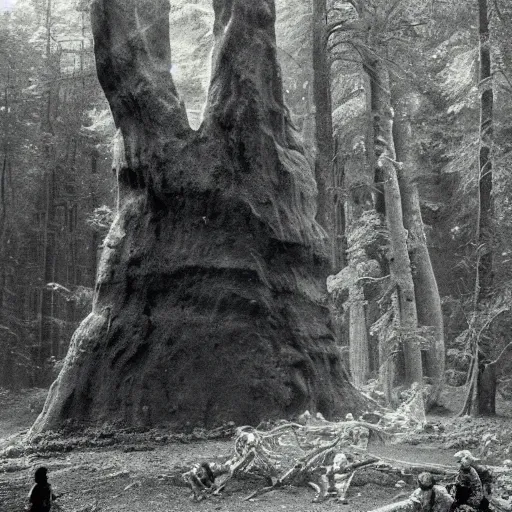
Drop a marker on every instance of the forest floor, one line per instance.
(137, 473)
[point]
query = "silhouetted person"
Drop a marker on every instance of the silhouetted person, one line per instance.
(41, 495)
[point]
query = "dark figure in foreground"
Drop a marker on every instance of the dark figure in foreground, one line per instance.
(468, 490)
(202, 480)
(430, 497)
(41, 495)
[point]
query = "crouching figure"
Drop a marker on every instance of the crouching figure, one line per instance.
(201, 480)
(430, 497)
(473, 485)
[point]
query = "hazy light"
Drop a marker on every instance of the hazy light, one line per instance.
(6, 5)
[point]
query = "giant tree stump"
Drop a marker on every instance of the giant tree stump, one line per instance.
(209, 302)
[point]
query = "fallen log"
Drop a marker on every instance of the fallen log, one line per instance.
(437, 469)
(293, 472)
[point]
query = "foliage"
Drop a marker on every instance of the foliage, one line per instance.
(432, 47)
(54, 151)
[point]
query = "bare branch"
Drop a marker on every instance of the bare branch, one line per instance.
(8, 331)
(345, 26)
(367, 50)
(375, 279)
(288, 54)
(408, 25)
(501, 359)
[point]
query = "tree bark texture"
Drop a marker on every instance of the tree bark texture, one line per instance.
(482, 392)
(487, 381)
(338, 239)
(209, 303)
(399, 262)
(486, 207)
(428, 302)
(359, 354)
(359, 351)
(323, 112)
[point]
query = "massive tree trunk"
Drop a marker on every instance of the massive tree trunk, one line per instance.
(209, 301)
(323, 112)
(428, 302)
(398, 257)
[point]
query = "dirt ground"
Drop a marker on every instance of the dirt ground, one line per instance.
(118, 479)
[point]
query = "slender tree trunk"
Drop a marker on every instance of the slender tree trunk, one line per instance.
(398, 257)
(428, 302)
(386, 363)
(3, 193)
(323, 112)
(93, 256)
(339, 224)
(308, 125)
(484, 402)
(47, 235)
(359, 351)
(208, 294)
(338, 240)
(372, 106)
(486, 208)
(6, 254)
(480, 390)
(488, 380)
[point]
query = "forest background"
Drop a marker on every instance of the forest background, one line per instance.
(441, 70)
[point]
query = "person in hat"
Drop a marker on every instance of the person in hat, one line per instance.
(430, 497)
(41, 495)
(468, 490)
